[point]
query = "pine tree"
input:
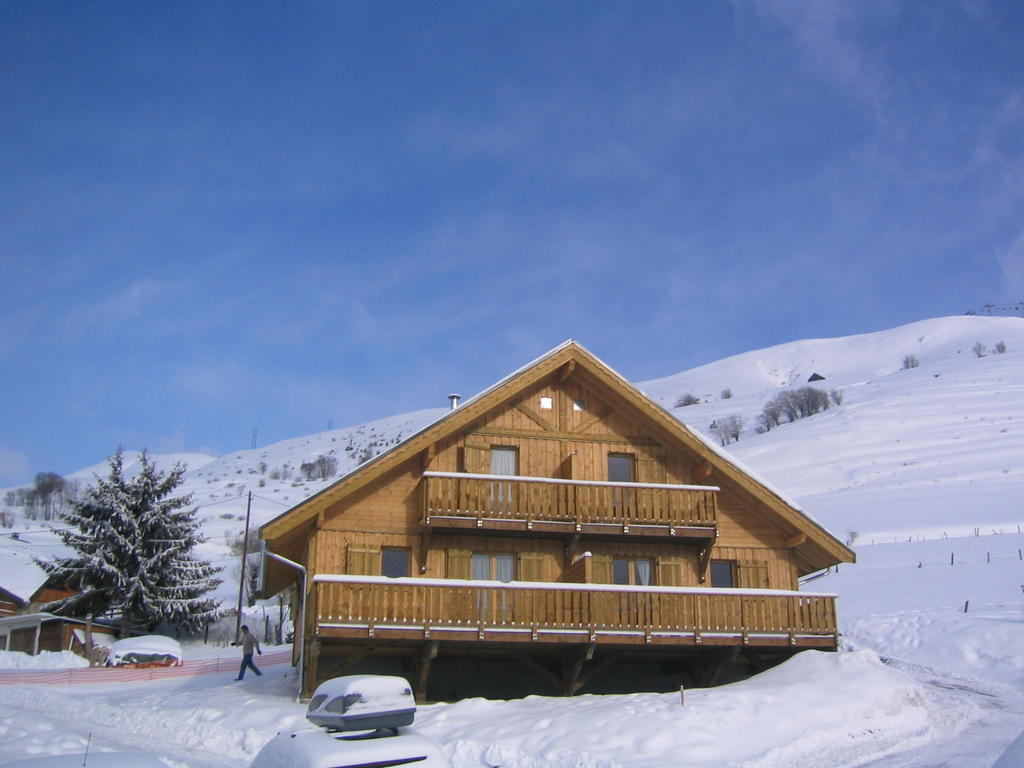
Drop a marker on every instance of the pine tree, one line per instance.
(133, 543)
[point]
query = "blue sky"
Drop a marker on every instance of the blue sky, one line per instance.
(216, 217)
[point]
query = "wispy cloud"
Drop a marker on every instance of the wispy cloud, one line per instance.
(128, 303)
(826, 32)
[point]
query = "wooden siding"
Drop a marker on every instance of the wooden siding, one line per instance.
(509, 612)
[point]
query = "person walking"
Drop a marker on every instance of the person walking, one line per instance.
(248, 642)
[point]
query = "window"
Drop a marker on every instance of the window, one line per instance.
(621, 469)
(631, 571)
(395, 562)
(504, 461)
(579, 405)
(546, 403)
(493, 567)
(723, 573)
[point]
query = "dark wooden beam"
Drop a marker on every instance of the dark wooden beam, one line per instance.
(595, 670)
(331, 666)
(573, 667)
(539, 669)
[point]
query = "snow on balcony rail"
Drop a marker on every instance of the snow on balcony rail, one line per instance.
(561, 481)
(331, 578)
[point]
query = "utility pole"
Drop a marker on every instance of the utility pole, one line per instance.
(245, 556)
(254, 430)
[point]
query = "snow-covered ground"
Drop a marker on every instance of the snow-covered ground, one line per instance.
(922, 468)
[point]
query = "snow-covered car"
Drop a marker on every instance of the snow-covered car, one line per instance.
(319, 748)
(145, 651)
(363, 721)
(362, 702)
(91, 760)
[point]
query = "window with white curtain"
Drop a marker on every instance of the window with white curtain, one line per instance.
(504, 461)
(632, 571)
(488, 567)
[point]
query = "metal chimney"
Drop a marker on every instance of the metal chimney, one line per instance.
(454, 397)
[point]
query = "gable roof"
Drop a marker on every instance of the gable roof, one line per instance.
(817, 546)
(22, 578)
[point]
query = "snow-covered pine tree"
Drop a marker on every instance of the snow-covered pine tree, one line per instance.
(133, 543)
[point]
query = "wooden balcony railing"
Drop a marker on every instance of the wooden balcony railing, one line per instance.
(454, 495)
(410, 608)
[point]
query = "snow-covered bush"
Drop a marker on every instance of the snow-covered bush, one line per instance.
(686, 399)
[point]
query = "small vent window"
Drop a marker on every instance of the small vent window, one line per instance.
(546, 403)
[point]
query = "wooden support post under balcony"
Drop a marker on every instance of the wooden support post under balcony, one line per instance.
(312, 668)
(595, 670)
(424, 656)
(573, 666)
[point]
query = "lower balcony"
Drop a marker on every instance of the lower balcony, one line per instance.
(532, 613)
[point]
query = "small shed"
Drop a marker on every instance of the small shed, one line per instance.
(815, 377)
(33, 633)
(24, 586)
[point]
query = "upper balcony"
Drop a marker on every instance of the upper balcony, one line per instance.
(460, 500)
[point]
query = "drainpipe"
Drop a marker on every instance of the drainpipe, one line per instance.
(302, 619)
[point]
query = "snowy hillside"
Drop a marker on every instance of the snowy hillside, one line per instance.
(921, 467)
(927, 451)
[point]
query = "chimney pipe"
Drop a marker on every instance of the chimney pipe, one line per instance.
(454, 397)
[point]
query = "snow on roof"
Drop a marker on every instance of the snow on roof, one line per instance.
(20, 575)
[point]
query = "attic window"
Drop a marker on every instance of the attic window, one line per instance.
(546, 403)
(579, 405)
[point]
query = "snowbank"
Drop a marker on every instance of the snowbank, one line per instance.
(45, 660)
(799, 708)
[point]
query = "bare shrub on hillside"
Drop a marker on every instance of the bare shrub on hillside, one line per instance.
(910, 361)
(837, 397)
(686, 399)
(999, 348)
(795, 404)
(726, 394)
(368, 452)
(728, 428)
(979, 349)
(320, 468)
(235, 541)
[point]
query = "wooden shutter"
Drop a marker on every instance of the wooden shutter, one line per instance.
(476, 459)
(753, 574)
(601, 571)
(362, 560)
(460, 564)
(672, 571)
(650, 466)
(531, 566)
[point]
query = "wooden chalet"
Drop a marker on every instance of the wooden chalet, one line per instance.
(24, 586)
(563, 526)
